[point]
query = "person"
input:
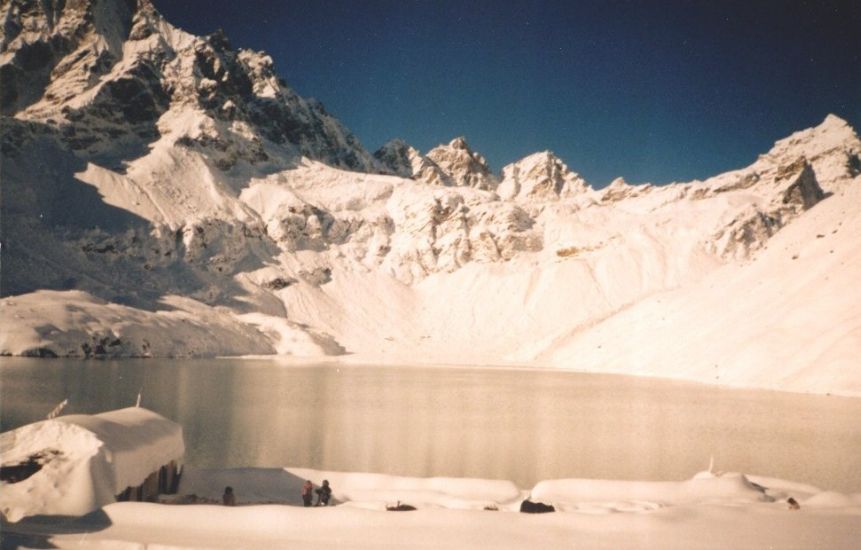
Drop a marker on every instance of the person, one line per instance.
(228, 498)
(306, 493)
(323, 494)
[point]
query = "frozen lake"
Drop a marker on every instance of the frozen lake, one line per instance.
(522, 425)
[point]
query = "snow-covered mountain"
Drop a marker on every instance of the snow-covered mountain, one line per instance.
(104, 71)
(464, 166)
(404, 160)
(163, 194)
(541, 176)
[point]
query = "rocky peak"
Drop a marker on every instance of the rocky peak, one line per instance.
(459, 143)
(618, 189)
(107, 71)
(540, 176)
(396, 156)
(462, 165)
(832, 148)
(406, 161)
(38, 38)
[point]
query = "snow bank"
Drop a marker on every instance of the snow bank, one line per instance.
(595, 495)
(709, 511)
(85, 460)
(365, 490)
(591, 496)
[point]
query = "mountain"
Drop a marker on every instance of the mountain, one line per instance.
(465, 167)
(108, 71)
(541, 176)
(404, 160)
(166, 195)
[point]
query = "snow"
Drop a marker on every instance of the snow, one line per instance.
(464, 166)
(87, 460)
(364, 490)
(220, 215)
(682, 280)
(75, 323)
(541, 176)
(711, 510)
(775, 337)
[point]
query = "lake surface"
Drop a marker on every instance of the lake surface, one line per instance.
(522, 425)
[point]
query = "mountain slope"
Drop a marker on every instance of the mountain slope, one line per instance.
(789, 318)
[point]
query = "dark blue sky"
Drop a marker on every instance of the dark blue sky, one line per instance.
(652, 91)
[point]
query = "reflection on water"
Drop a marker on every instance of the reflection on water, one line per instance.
(467, 422)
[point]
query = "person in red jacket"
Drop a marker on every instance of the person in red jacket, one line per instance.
(307, 495)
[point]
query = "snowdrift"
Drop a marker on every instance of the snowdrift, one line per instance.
(709, 511)
(85, 461)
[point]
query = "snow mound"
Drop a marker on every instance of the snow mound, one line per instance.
(369, 491)
(594, 495)
(85, 460)
(360, 490)
(709, 511)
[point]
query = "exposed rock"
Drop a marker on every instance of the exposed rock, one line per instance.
(542, 176)
(804, 192)
(831, 148)
(465, 167)
(529, 507)
(620, 189)
(401, 507)
(798, 190)
(403, 160)
(317, 276)
(279, 283)
(39, 352)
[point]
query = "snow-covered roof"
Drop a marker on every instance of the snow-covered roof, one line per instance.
(86, 460)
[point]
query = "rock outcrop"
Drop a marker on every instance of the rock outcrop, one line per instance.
(797, 191)
(465, 167)
(542, 177)
(403, 160)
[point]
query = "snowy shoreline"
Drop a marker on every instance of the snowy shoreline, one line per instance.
(58, 506)
(707, 511)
